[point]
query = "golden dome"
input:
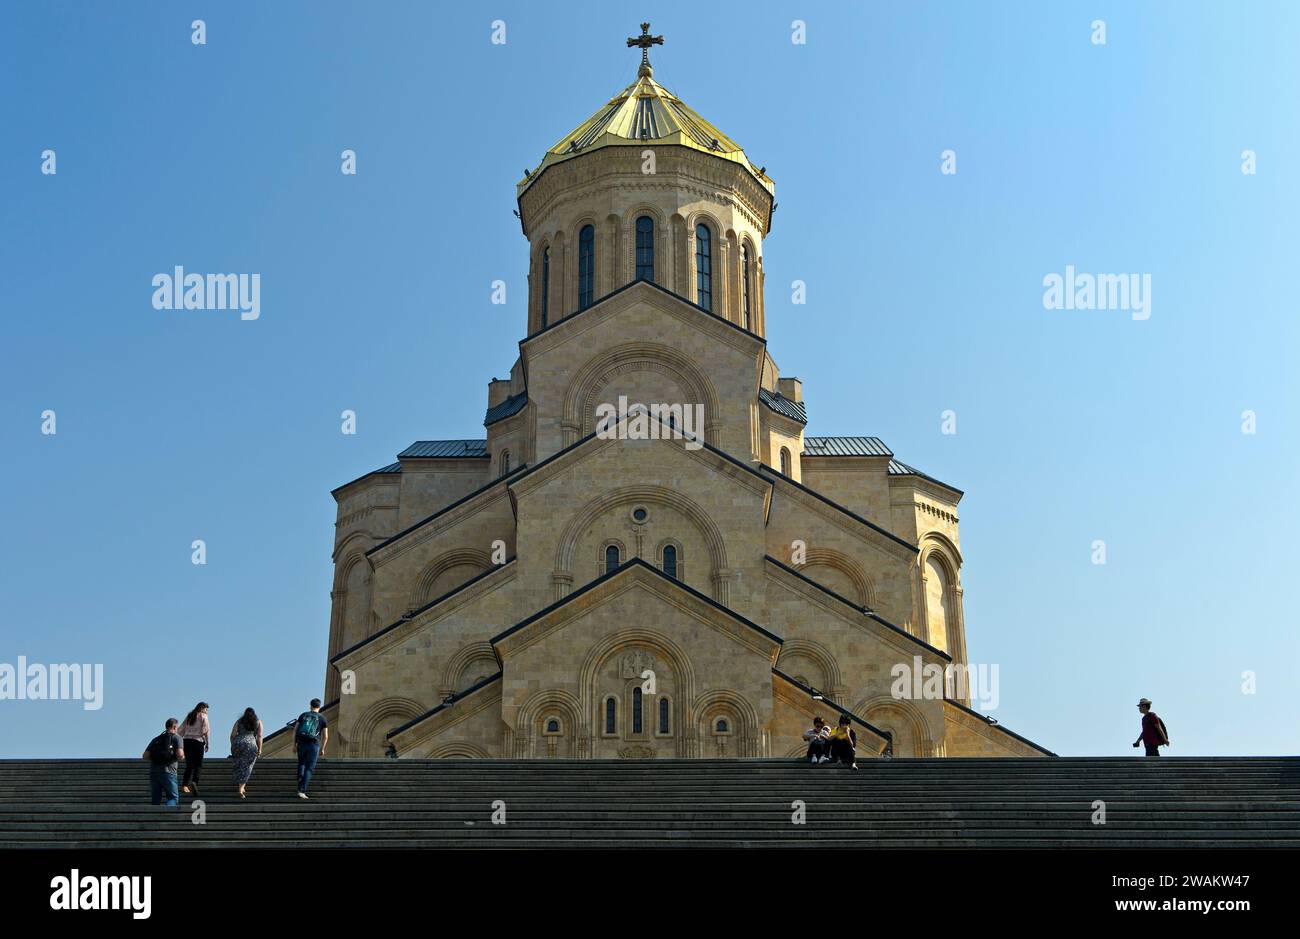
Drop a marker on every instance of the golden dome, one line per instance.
(645, 112)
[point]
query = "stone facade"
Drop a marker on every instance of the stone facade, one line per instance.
(571, 589)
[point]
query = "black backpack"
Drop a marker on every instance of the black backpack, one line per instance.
(161, 750)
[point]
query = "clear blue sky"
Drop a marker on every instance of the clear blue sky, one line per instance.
(924, 294)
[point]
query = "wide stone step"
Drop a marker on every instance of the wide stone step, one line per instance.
(1190, 802)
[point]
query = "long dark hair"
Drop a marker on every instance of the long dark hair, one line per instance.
(192, 718)
(249, 720)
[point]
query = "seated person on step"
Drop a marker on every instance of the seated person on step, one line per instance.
(818, 741)
(843, 743)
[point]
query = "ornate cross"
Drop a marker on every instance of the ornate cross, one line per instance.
(645, 41)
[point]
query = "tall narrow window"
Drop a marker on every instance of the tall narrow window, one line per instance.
(546, 285)
(586, 265)
(645, 248)
(670, 560)
(703, 267)
(785, 462)
(611, 558)
(744, 284)
(505, 462)
(611, 716)
(636, 710)
(663, 715)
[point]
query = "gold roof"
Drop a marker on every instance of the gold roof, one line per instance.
(646, 112)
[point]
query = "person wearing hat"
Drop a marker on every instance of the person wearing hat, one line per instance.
(1153, 735)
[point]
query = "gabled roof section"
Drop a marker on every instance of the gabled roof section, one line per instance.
(447, 702)
(993, 722)
(392, 469)
(626, 566)
(645, 112)
(565, 320)
(899, 468)
(845, 446)
(418, 611)
(769, 473)
(444, 449)
(507, 408)
(865, 611)
(828, 703)
(786, 407)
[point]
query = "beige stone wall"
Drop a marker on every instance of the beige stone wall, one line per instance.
(608, 189)
(860, 484)
(967, 736)
(722, 512)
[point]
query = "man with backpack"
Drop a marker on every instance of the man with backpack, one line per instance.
(1154, 735)
(163, 753)
(311, 734)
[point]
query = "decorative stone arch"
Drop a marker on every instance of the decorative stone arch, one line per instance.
(864, 588)
(465, 657)
(820, 656)
(535, 709)
(662, 247)
(743, 726)
(935, 547)
(680, 717)
(370, 729)
(601, 560)
(681, 557)
(717, 257)
(910, 729)
(583, 519)
(458, 750)
(349, 557)
(571, 270)
(536, 283)
(596, 374)
(422, 590)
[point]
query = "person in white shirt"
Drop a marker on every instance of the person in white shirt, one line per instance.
(818, 738)
(194, 737)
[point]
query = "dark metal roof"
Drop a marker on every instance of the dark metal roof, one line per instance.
(445, 448)
(899, 468)
(507, 408)
(783, 405)
(391, 468)
(845, 446)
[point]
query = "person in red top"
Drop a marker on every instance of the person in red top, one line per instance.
(1153, 735)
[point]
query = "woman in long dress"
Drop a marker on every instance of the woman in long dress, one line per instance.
(245, 747)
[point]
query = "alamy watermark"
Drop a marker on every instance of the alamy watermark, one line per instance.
(917, 681)
(181, 291)
(653, 422)
(1076, 291)
(32, 681)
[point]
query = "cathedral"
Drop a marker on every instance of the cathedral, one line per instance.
(646, 556)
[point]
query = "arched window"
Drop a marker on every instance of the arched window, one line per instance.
(546, 285)
(611, 558)
(505, 462)
(744, 284)
(611, 716)
(663, 716)
(670, 560)
(785, 462)
(645, 248)
(636, 710)
(552, 726)
(586, 265)
(722, 727)
(703, 267)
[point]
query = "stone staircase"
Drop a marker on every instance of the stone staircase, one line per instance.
(959, 803)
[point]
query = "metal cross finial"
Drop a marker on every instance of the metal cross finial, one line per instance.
(645, 41)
